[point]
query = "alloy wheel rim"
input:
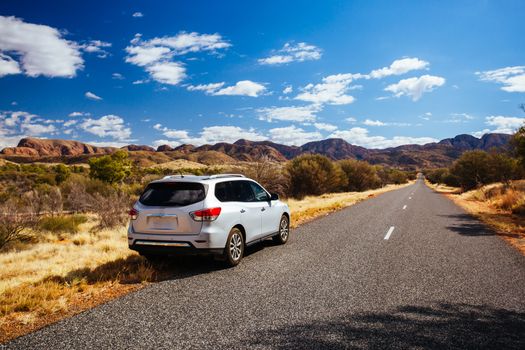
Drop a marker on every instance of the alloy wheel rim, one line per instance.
(283, 231)
(236, 246)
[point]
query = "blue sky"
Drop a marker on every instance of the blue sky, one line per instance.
(376, 73)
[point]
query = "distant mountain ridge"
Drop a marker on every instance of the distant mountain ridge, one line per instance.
(434, 154)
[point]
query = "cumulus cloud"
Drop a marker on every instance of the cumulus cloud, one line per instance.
(288, 90)
(293, 53)
(415, 87)
(399, 67)
(39, 49)
(157, 54)
(96, 46)
(137, 15)
(241, 88)
(325, 126)
(170, 143)
(290, 113)
(292, 135)
(501, 124)
(333, 90)
(107, 126)
(78, 114)
(370, 122)
(360, 137)
(92, 96)
(17, 124)
(211, 135)
(512, 78)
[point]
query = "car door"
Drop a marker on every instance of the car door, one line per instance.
(250, 209)
(270, 214)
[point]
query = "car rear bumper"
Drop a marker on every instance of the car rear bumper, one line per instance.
(171, 248)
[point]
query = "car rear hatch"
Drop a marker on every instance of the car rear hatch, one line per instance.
(165, 207)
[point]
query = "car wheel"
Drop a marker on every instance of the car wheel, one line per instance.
(234, 250)
(284, 231)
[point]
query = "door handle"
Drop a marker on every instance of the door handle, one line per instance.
(243, 211)
(263, 209)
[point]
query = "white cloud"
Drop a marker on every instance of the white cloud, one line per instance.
(78, 114)
(96, 46)
(512, 78)
(415, 87)
(70, 123)
(170, 73)
(288, 90)
(325, 126)
(370, 122)
(214, 134)
(137, 15)
(399, 67)
(332, 90)
(291, 113)
(207, 88)
(107, 126)
(351, 120)
(41, 50)
(242, 88)
(170, 143)
(501, 124)
(19, 123)
(8, 66)
(292, 135)
(92, 96)
(293, 53)
(156, 54)
(117, 76)
(360, 137)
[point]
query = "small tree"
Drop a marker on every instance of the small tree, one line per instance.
(472, 169)
(271, 175)
(361, 176)
(62, 173)
(112, 168)
(15, 219)
(314, 174)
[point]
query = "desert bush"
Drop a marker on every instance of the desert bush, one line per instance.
(502, 168)
(271, 175)
(15, 219)
(62, 223)
(360, 175)
(76, 197)
(111, 208)
(509, 199)
(112, 168)
(314, 175)
(436, 176)
(472, 169)
(391, 176)
(44, 199)
(62, 173)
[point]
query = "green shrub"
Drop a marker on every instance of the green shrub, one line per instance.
(313, 174)
(112, 168)
(360, 175)
(62, 223)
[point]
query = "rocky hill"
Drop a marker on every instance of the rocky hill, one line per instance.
(439, 154)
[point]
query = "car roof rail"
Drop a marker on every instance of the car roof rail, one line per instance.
(219, 176)
(180, 176)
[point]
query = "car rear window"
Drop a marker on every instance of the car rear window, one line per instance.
(172, 194)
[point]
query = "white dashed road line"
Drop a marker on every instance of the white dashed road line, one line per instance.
(404, 207)
(390, 230)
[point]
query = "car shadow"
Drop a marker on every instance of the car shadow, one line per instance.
(441, 326)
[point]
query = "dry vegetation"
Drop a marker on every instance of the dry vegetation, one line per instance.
(501, 206)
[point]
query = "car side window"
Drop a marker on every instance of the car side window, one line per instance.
(223, 191)
(243, 191)
(260, 194)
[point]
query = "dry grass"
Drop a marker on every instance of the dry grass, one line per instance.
(180, 164)
(310, 207)
(64, 274)
(499, 206)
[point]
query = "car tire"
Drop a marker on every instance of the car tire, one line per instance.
(284, 231)
(234, 250)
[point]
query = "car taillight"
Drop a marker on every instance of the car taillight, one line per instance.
(133, 214)
(206, 214)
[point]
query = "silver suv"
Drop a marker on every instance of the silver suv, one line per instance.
(217, 214)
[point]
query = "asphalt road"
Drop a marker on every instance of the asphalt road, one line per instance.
(440, 280)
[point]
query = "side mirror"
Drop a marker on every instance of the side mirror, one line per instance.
(274, 196)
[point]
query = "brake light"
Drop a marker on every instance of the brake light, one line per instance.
(206, 214)
(133, 214)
